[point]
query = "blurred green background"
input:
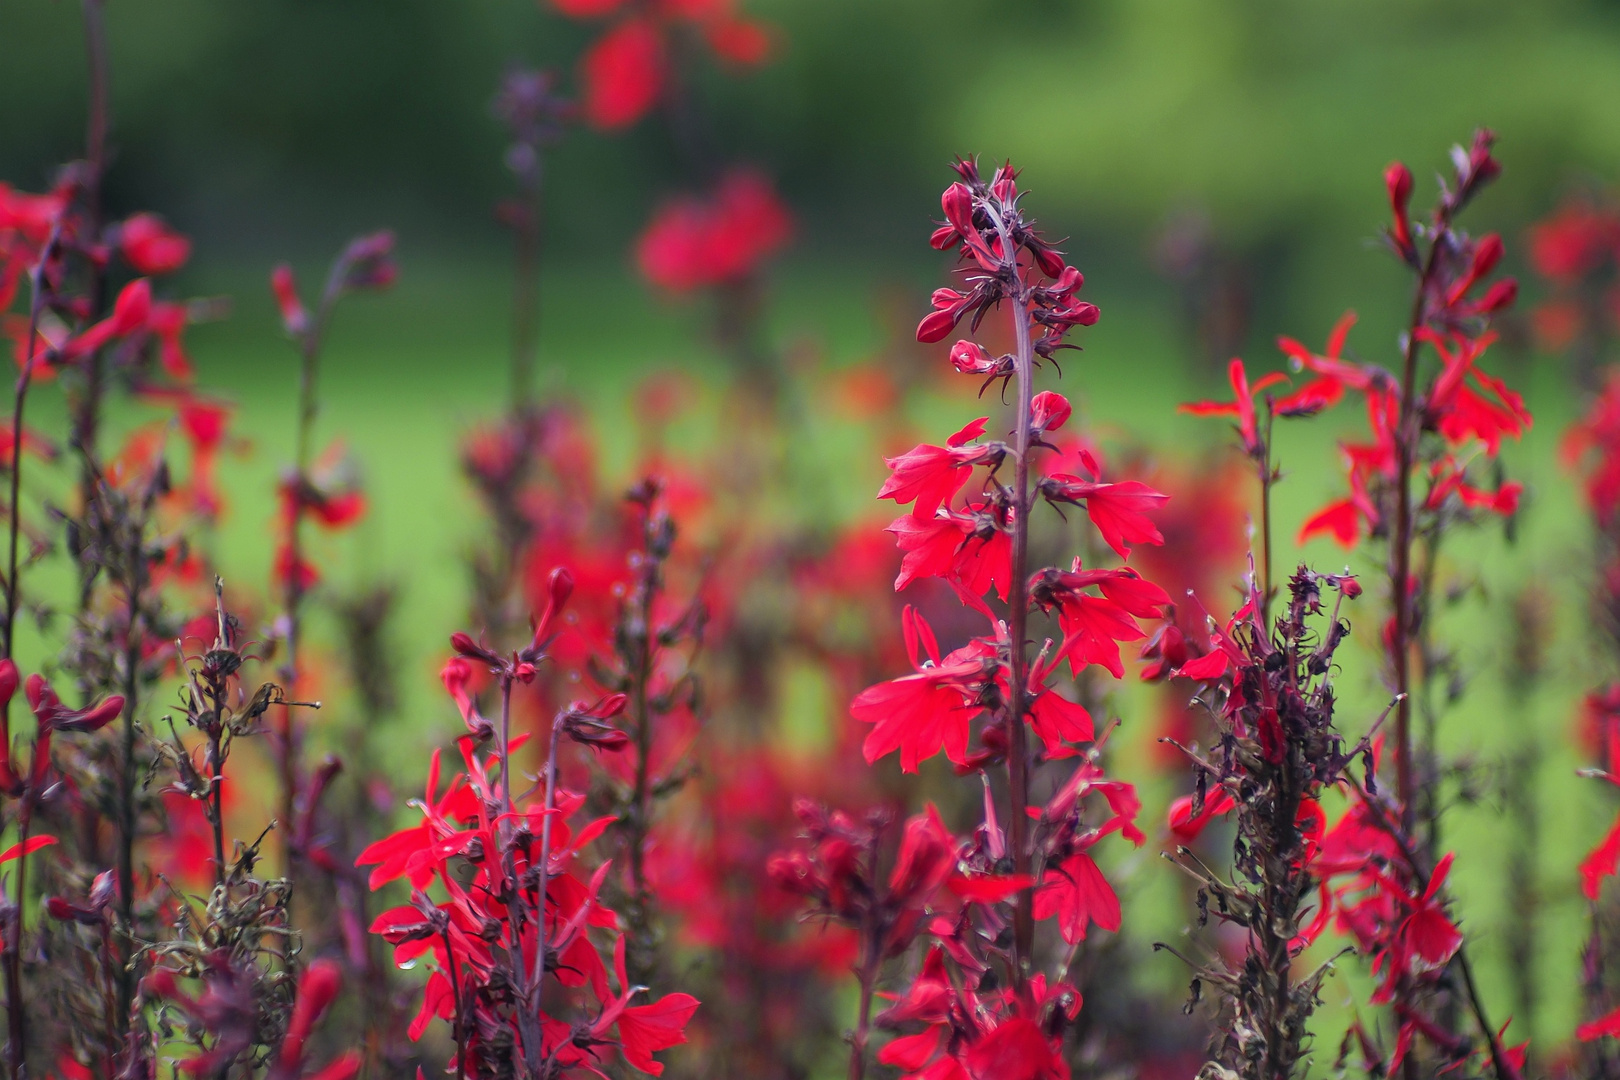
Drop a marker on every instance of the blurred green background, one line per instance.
(1216, 166)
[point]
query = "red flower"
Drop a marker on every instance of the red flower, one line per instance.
(1458, 412)
(35, 444)
(151, 247)
(1334, 374)
(1427, 940)
(130, 313)
(285, 287)
(1093, 626)
(932, 475)
(644, 1029)
(740, 41)
(1596, 436)
(920, 714)
(52, 715)
(26, 848)
(1048, 411)
(1398, 181)
(1574, 242)
(927, 857)
(1015, 1049)
(1053, 717)
(625, 71)
(1601, 862)
(1119, 511)
(1077, 895)
(725, 236)
(971, 551)
(1340, 520)
(1607, 1024)
(1241, 405)
(1186, 826)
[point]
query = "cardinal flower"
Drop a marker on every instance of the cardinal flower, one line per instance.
(151, 247)
(921, 713)
(1242, 404)
(930, 476)
(1119, 511)
(1076, 894)
(724, 236)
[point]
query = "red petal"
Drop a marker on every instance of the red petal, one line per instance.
(27, 847)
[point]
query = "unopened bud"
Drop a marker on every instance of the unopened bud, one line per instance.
(560, 586)
(1498, 296)
(1398, 179)
(958, 205)
(1487, 254)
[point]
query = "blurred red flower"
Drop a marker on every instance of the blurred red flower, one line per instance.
(695, 241)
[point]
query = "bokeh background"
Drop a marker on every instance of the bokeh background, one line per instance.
(1215, 166)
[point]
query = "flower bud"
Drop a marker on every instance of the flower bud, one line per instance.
(1487, 254)
(792, 872)
(1398, 180)
(1005, 185)
(94, 718)
(1068, 282)
(1498, 296)
(560, 585)
(1050, 262)
(103, 889)
(466, 646)
(957, 202)
(606, 709)
(1079, 313)
(369, 262)
(936, 326)
(594, 733)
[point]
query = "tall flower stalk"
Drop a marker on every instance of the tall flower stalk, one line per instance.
(365, 264)
(512, 947)
(993, 997)
(1382, 872)
(1265, 683)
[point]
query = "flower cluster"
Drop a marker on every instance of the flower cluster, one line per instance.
(990, 1004)
(1391, 897)
(524, 918)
